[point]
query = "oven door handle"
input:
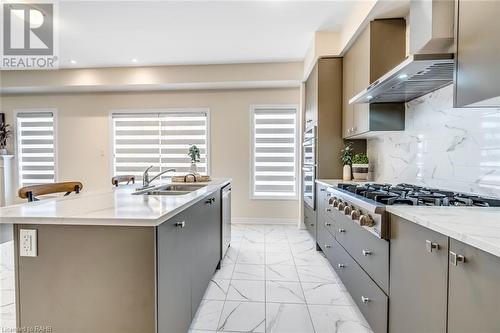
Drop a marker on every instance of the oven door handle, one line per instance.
(306, 168)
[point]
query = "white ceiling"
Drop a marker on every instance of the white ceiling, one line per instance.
(112, 33)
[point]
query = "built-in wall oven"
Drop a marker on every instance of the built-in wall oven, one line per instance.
(309, 166)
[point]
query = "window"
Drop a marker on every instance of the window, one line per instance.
(35, 148)
(160, 139)
(274, 152)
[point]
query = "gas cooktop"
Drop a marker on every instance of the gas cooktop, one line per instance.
(407, 194)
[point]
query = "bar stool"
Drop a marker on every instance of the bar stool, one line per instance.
(30, 192)
(120, 179)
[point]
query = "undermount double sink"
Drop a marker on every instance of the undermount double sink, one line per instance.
(172, 189)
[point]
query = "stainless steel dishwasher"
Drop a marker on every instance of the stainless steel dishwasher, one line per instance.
(226, 218)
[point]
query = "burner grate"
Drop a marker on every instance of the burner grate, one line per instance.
(408, 194)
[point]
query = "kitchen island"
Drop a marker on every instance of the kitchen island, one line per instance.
(111, 261)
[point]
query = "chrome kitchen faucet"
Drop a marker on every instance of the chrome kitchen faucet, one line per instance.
(145, 177)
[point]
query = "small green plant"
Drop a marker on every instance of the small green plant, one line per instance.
(194, 154)
(346, 154)
(5, 133)
(360, 159)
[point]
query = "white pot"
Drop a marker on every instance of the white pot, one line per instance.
(360, 171)
(194, 168)
(346, 172)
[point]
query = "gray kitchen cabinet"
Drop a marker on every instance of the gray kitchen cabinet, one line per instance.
(418, 279)
(310, 220)
(205, 242)
(371, 300)
(174, 253)
(320, 203)
(370, 252)
(474, 290)
(326, 242)
(311, 98)
(378, 49)
(323, 100)
(188, 252)
(477, 80)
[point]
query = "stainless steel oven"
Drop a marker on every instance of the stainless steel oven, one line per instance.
(308, 185)
(309, 166)
(309, 152)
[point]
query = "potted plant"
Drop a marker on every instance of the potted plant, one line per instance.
(194, 154)
(5, 133)
(360, 166)
(346, 158)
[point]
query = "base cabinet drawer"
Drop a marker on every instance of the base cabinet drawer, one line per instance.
(370, 252)
(310, 220)
(371, 300)
(326, 242)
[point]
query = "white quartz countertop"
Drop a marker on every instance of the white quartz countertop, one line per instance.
(335, 182)
(114, 207)
(475, 226)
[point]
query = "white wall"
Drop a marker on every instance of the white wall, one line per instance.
(456, 149)
(84, 144)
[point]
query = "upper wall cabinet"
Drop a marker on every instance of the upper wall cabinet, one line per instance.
(323, 109)
(477, 80)
(379, 48)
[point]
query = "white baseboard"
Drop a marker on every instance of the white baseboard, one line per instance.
(263, 220)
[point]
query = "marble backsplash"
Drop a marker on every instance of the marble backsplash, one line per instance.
(455, 149)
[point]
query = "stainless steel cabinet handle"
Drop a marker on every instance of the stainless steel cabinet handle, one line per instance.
(365, 299)
(328, 224)
(341, 265)
(456, 258)
(342, 231)
(367, 252)
(429, 245)
(180, 224)
(328, 246)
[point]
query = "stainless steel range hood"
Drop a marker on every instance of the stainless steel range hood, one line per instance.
(418, 75)
(429, 66)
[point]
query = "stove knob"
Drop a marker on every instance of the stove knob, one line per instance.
(347, 210)
(335, 202)
(355, 214)
(366, 220)
(341, 206)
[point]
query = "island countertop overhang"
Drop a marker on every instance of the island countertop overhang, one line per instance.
(108, 207)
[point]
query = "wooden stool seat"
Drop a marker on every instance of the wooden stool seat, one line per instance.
(30, 192)
(124, 178)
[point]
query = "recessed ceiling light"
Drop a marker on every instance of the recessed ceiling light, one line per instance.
(134, 60)
(403, 76)
(73, 62)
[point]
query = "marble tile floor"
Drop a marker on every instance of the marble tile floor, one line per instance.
(273, 280)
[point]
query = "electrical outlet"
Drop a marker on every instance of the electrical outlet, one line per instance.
(28, 243)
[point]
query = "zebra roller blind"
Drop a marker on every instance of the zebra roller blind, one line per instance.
(159, 139)
(35, 148)
(274, 152)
